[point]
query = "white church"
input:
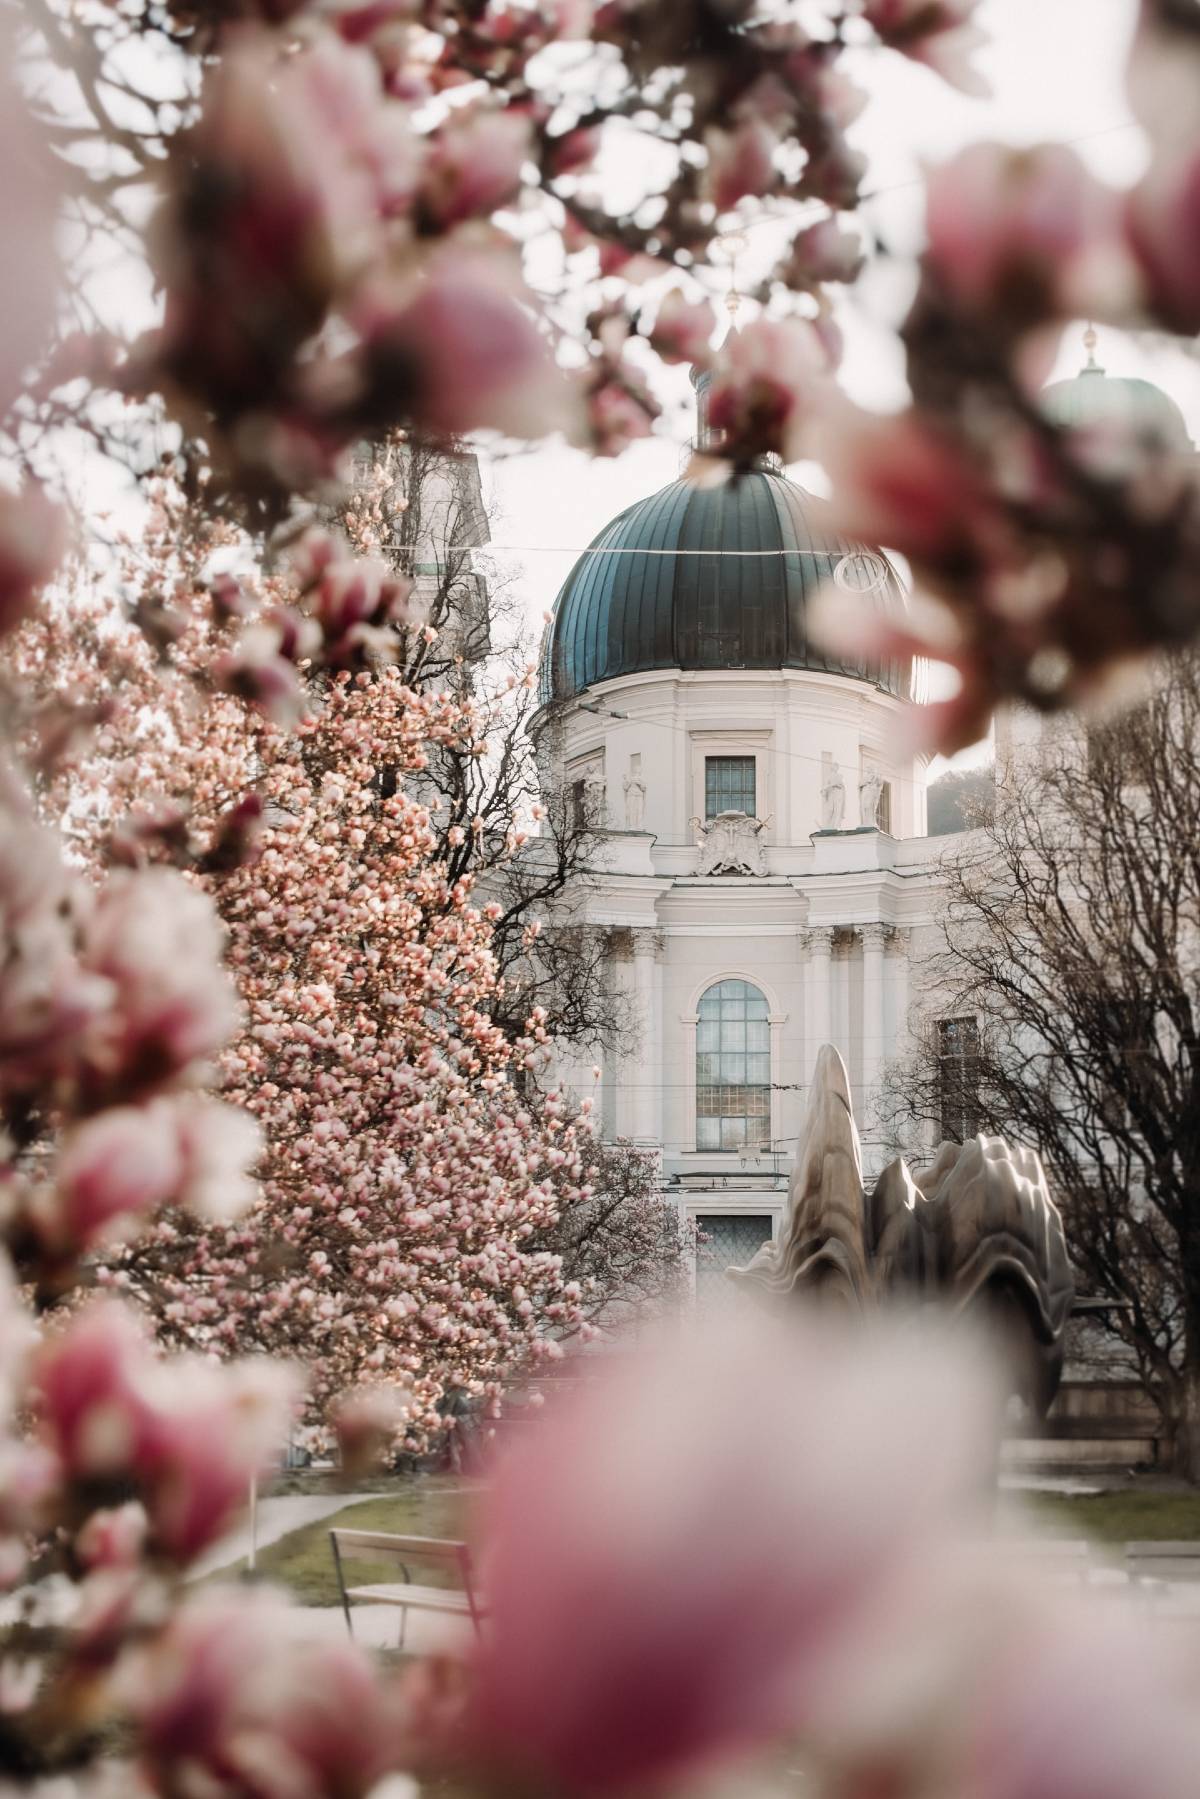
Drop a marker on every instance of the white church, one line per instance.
(765, 873)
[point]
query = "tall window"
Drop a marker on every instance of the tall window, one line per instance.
(733, 1068)
(729, 785)
(958, 1077)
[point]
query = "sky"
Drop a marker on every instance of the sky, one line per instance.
(1056, 69)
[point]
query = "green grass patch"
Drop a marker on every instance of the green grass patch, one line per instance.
(302, 1561)
(1121, 1517)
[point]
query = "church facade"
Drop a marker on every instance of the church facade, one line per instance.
(764, 876)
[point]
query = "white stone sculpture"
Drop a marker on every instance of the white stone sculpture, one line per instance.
(833, 800)
(870, 791)
(731, 844)
(635, 796)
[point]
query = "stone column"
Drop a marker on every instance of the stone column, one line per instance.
(873, 938)
(820, 993)
(646, 1066)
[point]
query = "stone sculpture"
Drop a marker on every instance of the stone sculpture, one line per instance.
(870, 791)
(731, 844)
(833, 800)
(976, 1230)
(635, 801)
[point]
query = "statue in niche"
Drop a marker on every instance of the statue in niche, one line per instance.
(976, 1230)
(870, 791)
(731, 844)
(833, 799)
(635, 796)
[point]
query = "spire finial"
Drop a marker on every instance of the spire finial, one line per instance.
(729, 246)
(1090, 341)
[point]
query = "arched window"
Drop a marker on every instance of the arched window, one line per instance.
(733, 1068)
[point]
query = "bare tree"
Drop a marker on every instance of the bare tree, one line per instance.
(627, 1246)
(1066, 1015)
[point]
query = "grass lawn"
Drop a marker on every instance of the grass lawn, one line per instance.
(303, 1560)
(1120, 1517)
(429, 1507)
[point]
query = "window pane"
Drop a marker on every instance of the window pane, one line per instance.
(733, 1068)
(729, 785)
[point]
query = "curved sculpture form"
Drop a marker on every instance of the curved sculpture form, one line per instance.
(977, 1229)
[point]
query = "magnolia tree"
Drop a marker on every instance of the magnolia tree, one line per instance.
(404, 1183)
(408, 1191)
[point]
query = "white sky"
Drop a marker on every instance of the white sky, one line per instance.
(1056, 72)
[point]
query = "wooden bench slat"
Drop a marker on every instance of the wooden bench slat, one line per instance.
(387, 1543)
(421, 1599)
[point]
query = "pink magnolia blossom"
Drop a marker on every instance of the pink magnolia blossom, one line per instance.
(158, 943)
(741, 163)
(473, 166)
(125, 1162)
(113, 1537)
(983, 1676)
(765, 379)
(715, 1516)
(1163, 222)
(462, 345)
(900, 482)
(939, 33)
(229, 1703)
(31, 544)
(620, 408)
(29, 1495)
(1021, 235)
(823, 252)
(682, 330)
(187, 1434)
(260, 671)
(306, 158)
(47, 1000)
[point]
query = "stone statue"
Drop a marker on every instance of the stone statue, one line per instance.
(731, 844)
(635, 801)
(870, 791)
(977, 1229)
(833, 800)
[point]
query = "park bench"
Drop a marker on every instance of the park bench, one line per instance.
(407, 1595)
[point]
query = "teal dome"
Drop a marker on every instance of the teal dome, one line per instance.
(1093, 398)
(711, 578)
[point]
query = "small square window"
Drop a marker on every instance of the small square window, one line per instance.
(729, 785)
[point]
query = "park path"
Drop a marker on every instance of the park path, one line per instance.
(276, 1517)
